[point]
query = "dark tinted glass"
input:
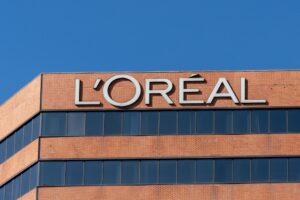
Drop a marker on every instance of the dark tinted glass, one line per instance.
(16, 187)
(76, 123)
(149, 123)
(93, 173)
(204, 171)
(241, 121)
(33, 176)
(186, 171)
(54, 123)
(149, 171)
(294, 120)
(167, 171)
(223, 121)
(52, 173)
(2, 193)
(112, 123)
(36, 126)
(94, 123)
(25, 182)
(260, 170)
(167, 122)
(130, 172)
(278, 169)
(19, 140)
(241, 170)
(2, 150)
(111, 172)
(294, 169)
(278, 121)
(27, 133)
(8, 191)
(204, 123)
(131, 123)
(186, 122)
(10, 146)
(259, 121)
(74, 173)
(223, 170)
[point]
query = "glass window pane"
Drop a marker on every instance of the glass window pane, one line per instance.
(93, 172)
(36, 125)
(19, 140)
(259, 121)
(278, 167)
(168, 122)
(8, 191)
(277, 121)
(2, 193)
(52, 173)
(76, 122)
(167, 171)
(25, 181)
(149, 171)
(130, 172)
(2, 150)
(27, 133)
(241, 121)
(294, 169)
(33, 176)
(204, 123)
(10, 146)
(54, 123)
(94, 123)
(294, 120)
(223, 121)
(223, 170)
(111, 172)
(204, 173)
(186, 122)
(112, 123)
(149, 123)
(131, 123)
(186, 171)
(241, 170)
(260, 170)
(16, 187)
(74, 173)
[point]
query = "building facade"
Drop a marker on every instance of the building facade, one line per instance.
(215, 135)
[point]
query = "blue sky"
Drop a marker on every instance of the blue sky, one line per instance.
(138, 35)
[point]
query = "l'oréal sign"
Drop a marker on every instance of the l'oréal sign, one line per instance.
(183, 91)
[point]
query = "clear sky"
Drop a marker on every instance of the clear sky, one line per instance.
(141, 35)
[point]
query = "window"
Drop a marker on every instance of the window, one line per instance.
(27, 133)
(204, 122)
(10, 146)
(167, 171)
(25, 181)
(241, 121)
(8, 191)
(168, 122)
(241, 170)
(259, 121)
(149, 123)
(74, 173)
(223, 170)
(131, 123)
(94, 123)
(111, 172)
(204, 171)
(54, 123)
(278, 170)
(93, 172)
(278, 121)
(294, 121)
(52, 173)
(112, 123)
(186, 171)
(16, 188)
(76, 124)
(260, 170)
(130, 172)
(223, 121)
(149, 171)
(36, 127)
(18, 140)
(33, 176)
(294, 169)
(186, 122)
(2, 150)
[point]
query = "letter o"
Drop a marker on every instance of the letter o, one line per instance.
(122, 104)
